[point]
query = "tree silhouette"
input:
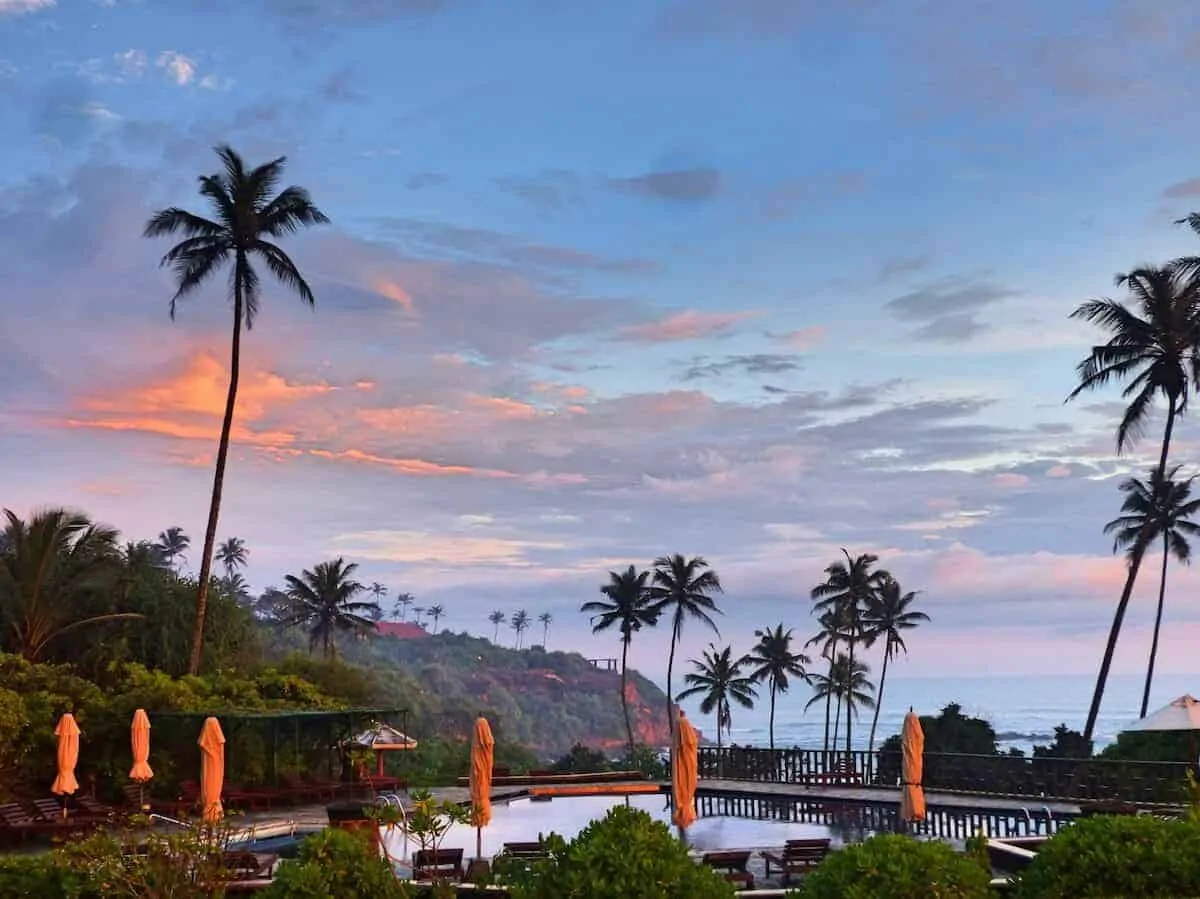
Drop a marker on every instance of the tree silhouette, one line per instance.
(772, 660)
(232, 554)
(545, 620)
(173, 543)
(497, 618)
(887, 616)
(323, 601)
(720, 679)
(435, 612)
(519, 623)
(403, 601)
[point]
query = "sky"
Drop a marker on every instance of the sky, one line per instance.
(751, 280)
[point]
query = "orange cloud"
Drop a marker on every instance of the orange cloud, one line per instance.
(1010, 479)
(423, 420)
(393, 291)
(687, 325)
(565, 392)
(419, 467)
(502, 407)
(166, 428)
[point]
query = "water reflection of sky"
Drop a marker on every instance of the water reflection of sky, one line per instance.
(523, 820)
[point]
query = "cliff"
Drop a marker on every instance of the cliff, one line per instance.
(546, 701)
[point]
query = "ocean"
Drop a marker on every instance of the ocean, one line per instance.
(1024, 710)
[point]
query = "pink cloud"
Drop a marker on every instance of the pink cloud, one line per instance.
(1059, 471)
(687, 325)
(803, 338)
(1010, 479)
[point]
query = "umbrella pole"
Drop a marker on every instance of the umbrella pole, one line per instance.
(478, 842)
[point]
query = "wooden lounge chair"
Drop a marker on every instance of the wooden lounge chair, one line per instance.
(247, 866)
(15, 821)
(536, 849)
(437, 864)
(248, 798)
(732, 866)
(797, 857)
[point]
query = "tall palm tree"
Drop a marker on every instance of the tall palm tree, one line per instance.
(418, 611)
(827, 638)
(1153, 344)
(246, 219)
(772, 660)
(173, 543)
(435, 612)
(323, 601)
(628, 606)
(496, 618)
(378, 591)
(720, 679)
(847, 590)
(545, 620)
(48, 567)
(683, 588)
(403, 601)
(232, 554)
(519, 623)
(888, 615)
(1163, 507)
(849, 683)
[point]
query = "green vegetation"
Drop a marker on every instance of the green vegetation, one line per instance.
(1117, 856)
(772, 660)
(626, 854)
(898, 867)
(719, 679)
(335, 863)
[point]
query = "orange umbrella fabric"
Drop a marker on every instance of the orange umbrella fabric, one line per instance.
(912, 769)
(67, 732)
(685, 771)
(212, 770)
(139, 739)
(483, 748)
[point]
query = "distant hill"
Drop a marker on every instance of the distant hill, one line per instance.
(547, 701)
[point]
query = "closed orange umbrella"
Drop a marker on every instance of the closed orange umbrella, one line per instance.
(685, 771)
(212, 770)
(482, 755)
(139, 741)
(912, 769)
(67, 756)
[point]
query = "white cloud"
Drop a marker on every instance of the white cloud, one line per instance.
(99, 112)
(215, 83)
(180, 68)
(131, 63)
(20, 7)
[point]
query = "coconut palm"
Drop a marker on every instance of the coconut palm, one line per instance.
(519, 623)
(322, 599)
(772, 660)
(497, 618)
(827, 638)
(628, 606)
(49, 565)
(683, 588)
(403, 601)
(435, 612)
(888, 615)
(232, 554)
(173, 543)
(1160, 507)
(847, 590)
(246, 221)
(850, 685)
(1153, 345)
(545, 619)
(720, 679)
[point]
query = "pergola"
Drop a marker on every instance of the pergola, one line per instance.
(339, 726)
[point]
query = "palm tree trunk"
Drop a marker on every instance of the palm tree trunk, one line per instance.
(624, 698)
(1135, 563)
(670, 698)
(849, 701)
(878, 700)
(496, 633)
(771, 723)
(829, 698)
(214, 508)
(1162, 592)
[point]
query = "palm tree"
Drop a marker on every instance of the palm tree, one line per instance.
(628, 605)
(773, 661)
(246, 220)
(49, 565)
(683, 588)
(1163, 507)
(848, 683)
(232, 554)
(435, 612)
(888, 615)
(403, 601)
(497, 618)
(1154, 346)
(827, 638)
(323, 601)
(545, 619)
(378, 591)
(519, 623)
(847, 590)
(173, 543)
(720, 678)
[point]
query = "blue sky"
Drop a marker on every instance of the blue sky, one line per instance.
(753, 280)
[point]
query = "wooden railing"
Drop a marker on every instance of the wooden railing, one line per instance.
(988, 775)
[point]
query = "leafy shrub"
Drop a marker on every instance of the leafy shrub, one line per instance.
(897, 867)
(1117, 856)
(334, 864)
(38, 877)
(626, 854)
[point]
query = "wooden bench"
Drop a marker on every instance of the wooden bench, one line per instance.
(241, 865)
(437, 864)
(732, 866)
(797, 857)
(841, 773)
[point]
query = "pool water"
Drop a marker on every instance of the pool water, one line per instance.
(523, 820)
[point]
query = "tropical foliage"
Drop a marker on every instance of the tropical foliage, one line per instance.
(772, 660)
(720, 681)
(323, 602)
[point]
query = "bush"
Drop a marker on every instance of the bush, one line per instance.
(1117, 856)
(38, 877)
(897, 867)
(334, 864)
(626, 854)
